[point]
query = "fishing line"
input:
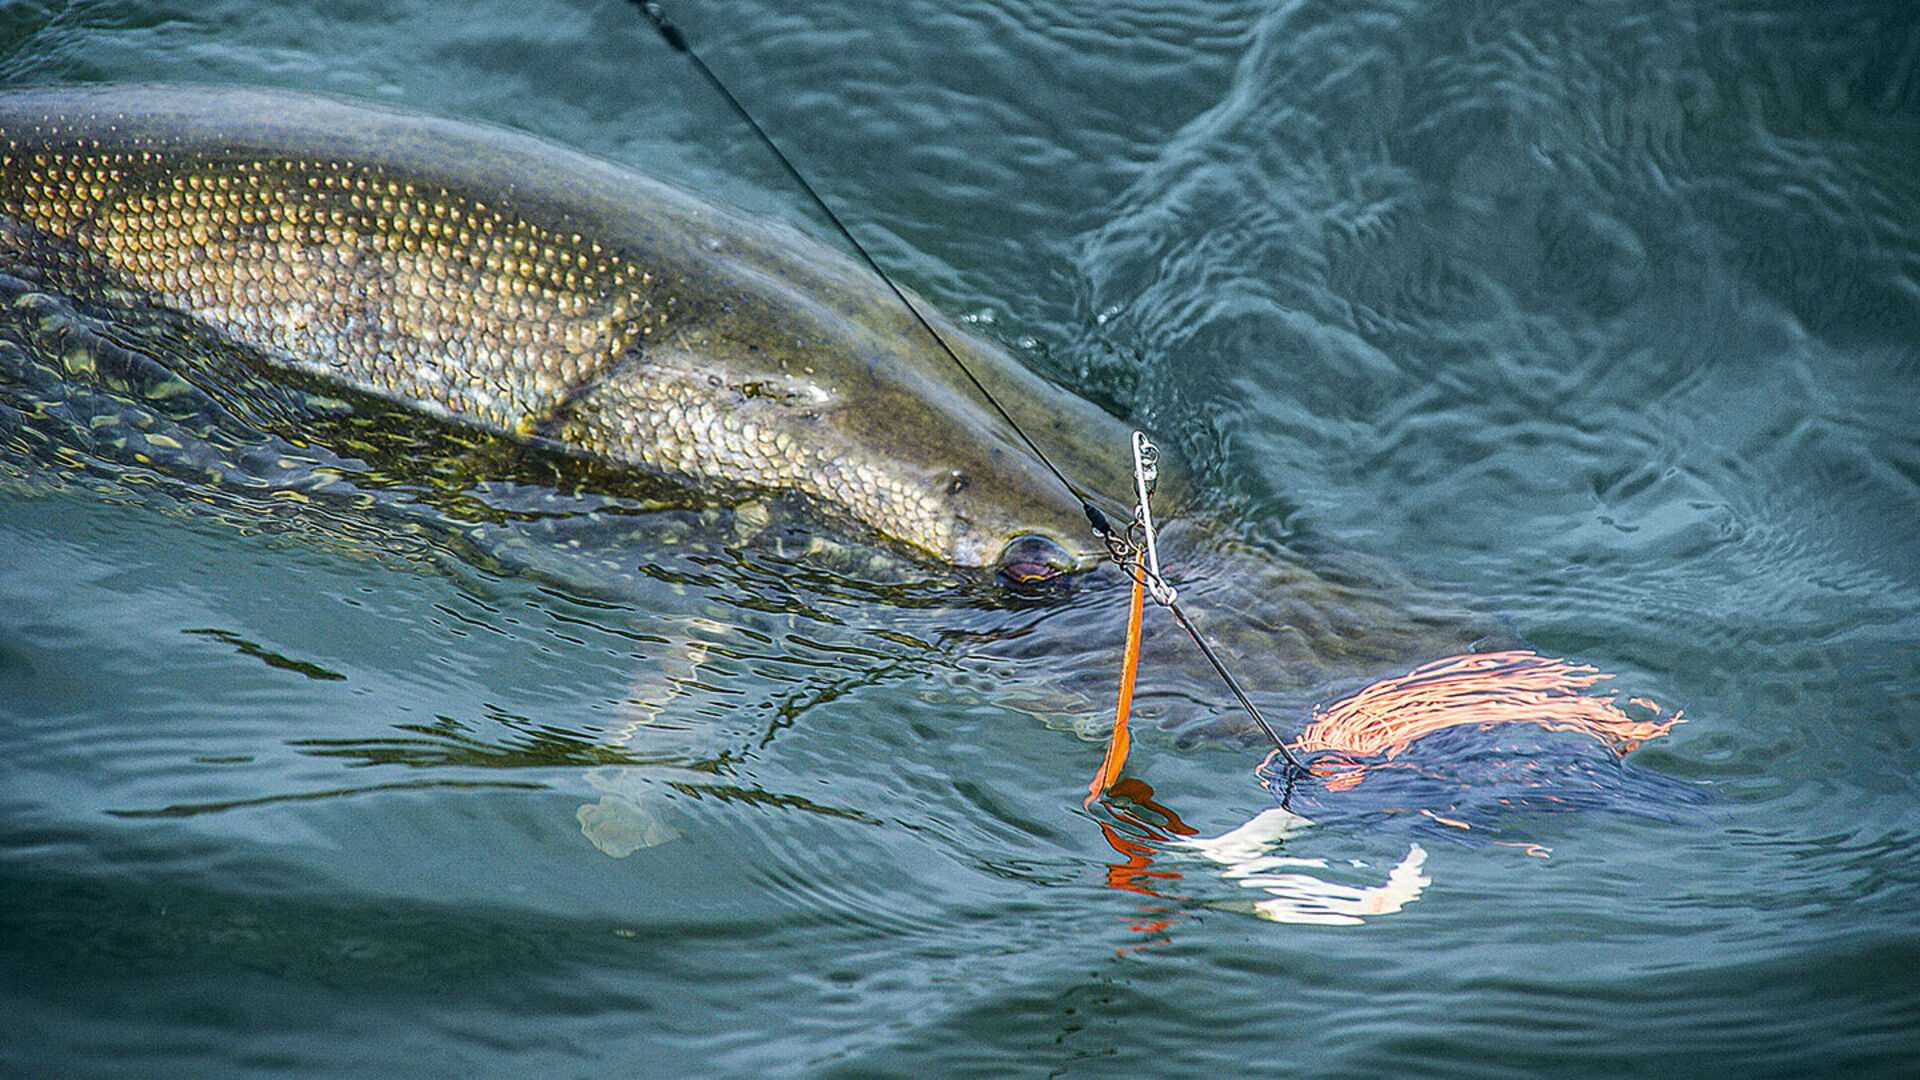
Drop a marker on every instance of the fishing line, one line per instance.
(1118, 545)
(678, 42)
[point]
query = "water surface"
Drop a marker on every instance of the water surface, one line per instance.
(1604, 315)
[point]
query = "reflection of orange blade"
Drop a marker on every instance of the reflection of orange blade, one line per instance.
(1140, 794)
(1484, 688)
(1118, 744)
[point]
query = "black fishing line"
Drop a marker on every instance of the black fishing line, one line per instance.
(678, 42)
(1115, 542)
(1233, 685)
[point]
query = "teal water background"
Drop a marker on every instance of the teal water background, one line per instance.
(1607, 315)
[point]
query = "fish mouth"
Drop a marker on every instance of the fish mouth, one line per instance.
(1032, 560)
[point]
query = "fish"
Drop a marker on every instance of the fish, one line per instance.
(492, 281)
(484, 276)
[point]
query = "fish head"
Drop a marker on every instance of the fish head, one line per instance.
(924, 432)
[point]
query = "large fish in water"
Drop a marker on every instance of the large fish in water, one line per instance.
(550, 298)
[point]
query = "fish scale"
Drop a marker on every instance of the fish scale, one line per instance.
(425, 295)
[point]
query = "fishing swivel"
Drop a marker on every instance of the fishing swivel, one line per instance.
(1140, 534)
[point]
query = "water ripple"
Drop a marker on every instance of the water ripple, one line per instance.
(1603, 314)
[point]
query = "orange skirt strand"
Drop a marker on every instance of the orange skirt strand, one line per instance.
(1483, 688)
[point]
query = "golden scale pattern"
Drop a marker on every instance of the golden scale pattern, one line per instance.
(422, 295)
(750, 441)
(429, 297)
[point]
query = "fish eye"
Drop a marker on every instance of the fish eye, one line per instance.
(1031, 559)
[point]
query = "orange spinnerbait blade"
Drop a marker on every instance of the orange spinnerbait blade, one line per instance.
(1483, 688)
(1119, 742)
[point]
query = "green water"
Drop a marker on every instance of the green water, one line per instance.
(1606, 315)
